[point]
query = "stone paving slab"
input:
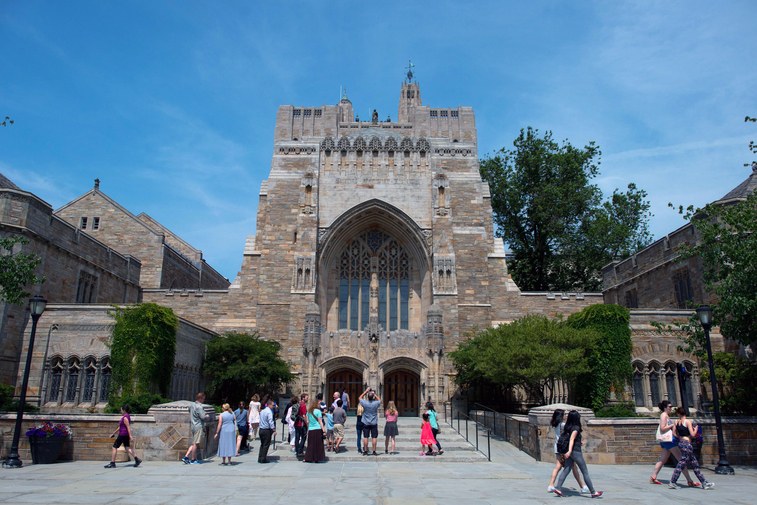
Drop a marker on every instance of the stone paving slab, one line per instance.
(511, 477)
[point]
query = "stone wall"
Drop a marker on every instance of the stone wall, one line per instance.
(161, 435)
(622, 441)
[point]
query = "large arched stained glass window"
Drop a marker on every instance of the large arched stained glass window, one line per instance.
(374, 256)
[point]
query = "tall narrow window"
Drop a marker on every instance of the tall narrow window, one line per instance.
(654, 385)
(105, 371)
(682, 285)
(72, 380)
(56, 376)
(95, 223)
(86, 290)
(83, 223)
(670, 384)
(638, 388)
(90, 373)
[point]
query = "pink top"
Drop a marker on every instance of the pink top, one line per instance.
(427, 435)
(390, 418)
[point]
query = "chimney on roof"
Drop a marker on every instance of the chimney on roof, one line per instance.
(97, 184)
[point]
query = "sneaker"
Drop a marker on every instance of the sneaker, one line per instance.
(185, 460)
(374, 453)
(195, 462)
(550, 489)
(585, 490)
(137, 462)
(597, 494)
(110, 465)
(440, 452)
(673, 485)
(709, 485)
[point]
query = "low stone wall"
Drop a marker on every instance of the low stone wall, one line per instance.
(623, 441)
(161, 435)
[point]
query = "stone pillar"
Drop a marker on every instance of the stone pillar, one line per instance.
(435, 340)
(170, 436)
(311, 343)
(538, 420)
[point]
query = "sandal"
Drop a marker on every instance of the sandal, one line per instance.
(694, 484)
(652, 480)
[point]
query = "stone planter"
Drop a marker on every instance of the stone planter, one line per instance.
(45, 450)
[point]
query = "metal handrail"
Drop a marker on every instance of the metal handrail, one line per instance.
(450, 421)
(478, 406)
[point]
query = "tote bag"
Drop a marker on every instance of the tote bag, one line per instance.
(664, 437)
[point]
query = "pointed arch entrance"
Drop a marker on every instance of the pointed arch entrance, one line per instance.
(344, 378)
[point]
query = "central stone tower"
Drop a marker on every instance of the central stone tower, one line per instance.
(374, 249)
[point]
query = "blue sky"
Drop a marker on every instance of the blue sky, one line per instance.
(172, 103)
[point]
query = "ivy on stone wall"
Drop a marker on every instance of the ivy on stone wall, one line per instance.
(610, 359)
(142, 350)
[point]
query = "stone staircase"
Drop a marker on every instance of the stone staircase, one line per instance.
(456, 448)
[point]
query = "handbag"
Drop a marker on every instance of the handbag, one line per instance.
(664, 437)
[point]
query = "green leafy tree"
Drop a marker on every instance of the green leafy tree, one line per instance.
(142, 351)
(737, 377)
(17, 270)
(533, 352)
(239, 364)
(554, 219)
(610, 357)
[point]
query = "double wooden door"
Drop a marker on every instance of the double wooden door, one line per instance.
(403, 388)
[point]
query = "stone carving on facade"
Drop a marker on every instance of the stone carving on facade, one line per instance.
(445, 281)
(303, 277)
(441, 195)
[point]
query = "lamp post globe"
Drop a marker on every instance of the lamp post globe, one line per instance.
(37, 306)
(704, 313)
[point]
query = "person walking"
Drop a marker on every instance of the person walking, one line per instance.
(240, 416)
(316, 433)
(434, 425)
(340, 420)
(197, 418)
(254, 416)
(574, 455)
(267, 431)
(301, 425)
(226, 432)
(289, 416)
(124, 438)
(666, 434)
(345, 399)
(371, 403)
(558, 424)
(685, 431)
(390, 428)
(427, 436)
(359, 428)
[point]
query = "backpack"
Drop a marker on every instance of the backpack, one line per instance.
(563, 443)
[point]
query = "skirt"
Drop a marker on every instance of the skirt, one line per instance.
(315, 452)
(390, 429)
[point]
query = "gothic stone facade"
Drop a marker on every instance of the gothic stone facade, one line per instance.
(374, 252)
(76, 267)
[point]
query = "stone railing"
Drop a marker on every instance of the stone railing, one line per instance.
(163, 434)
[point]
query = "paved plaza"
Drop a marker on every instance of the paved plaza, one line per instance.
(511, 477)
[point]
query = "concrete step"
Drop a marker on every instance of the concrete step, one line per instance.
(456, 448)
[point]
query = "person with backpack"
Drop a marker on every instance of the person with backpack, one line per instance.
(289, 418)
(300, 425)
(558, 423)
(569, 444)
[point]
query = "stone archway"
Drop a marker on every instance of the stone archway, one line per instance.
(345, 378)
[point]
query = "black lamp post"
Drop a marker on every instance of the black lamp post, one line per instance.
(36, 307)
(705, 318)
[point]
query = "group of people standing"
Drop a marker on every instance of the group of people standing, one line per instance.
(314, 427)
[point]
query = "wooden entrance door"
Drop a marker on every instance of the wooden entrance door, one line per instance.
(402, 387)
(344, 378)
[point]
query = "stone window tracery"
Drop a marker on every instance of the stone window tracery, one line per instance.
(653, 382)
(374, 275)
(56, 379)
(72, 380)
(105, 374)
(90, 374)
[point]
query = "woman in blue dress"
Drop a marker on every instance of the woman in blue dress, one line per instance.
(226, 434)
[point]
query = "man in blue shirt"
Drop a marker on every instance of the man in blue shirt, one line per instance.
(267, 430)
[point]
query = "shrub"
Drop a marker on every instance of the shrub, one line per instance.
(617, 410)
(139, 403)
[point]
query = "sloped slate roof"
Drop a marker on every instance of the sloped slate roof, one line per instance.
(6, 183)
(744, 189)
